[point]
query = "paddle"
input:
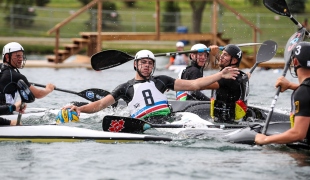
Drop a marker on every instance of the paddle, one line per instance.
(265, 52)
(280, 7)
(133, 125)
(93, 94)
(111, 58)
(20, 114)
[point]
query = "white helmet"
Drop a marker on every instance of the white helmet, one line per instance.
(145, 54)
(11, 47)
(179, 44)
(198, 46)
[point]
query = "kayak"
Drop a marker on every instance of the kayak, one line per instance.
(201, 108)
(177, 68)
(58, 133)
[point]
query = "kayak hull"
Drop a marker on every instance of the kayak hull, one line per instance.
(57, 133)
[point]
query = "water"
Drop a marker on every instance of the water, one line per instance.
(203, 157)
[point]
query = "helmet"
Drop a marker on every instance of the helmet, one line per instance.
(144, 54)
(11, 47)
(179, 44)
(198, 46)
(301, 52)
(234, 51)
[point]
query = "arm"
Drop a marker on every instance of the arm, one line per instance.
(297, 133)
(285, 84)
(202, 83)
(93, 106)
(40, 92)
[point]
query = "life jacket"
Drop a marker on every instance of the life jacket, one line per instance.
(6, 98)
(148, 101)
(225, 111)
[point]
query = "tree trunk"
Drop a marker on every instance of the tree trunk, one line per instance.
(197, 12)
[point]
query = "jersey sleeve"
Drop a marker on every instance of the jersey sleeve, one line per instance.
(4, 121)
(302, 101)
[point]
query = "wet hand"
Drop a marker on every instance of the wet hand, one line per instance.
(214, 50)
(283, 83)
(50, 87)
(72, 108)
(230, 73)
(260, 139)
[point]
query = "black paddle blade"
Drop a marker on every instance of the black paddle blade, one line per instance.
(122, 124)
(93, 94)
(278, 7)
(266, 51)
(108, 59)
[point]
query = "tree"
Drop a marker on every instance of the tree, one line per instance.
(297, 6)
(197, 10)
(171, 17)
(256, 2)
(19, 12)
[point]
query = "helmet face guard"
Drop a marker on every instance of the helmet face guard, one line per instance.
(197, 47)
(144, 54)
(9, 49)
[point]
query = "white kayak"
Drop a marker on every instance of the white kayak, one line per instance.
(177, 68)
(58, 133)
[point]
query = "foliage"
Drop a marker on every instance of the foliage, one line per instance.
(297, 6)
(41, 3)
(19, 13)
(256, 2)
(130, 4)
(109, 14)
(172, 17)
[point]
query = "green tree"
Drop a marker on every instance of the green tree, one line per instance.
(197, 12)
(42, 3)
(171, 17)
(19, 12)
(297, 6)
(109, 13)
(256, 2)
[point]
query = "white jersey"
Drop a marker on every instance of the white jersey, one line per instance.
(9, 98)
(148, 101)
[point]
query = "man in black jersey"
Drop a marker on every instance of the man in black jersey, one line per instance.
(14, 59)
(300, 114)
(198, 62)
(144, 93)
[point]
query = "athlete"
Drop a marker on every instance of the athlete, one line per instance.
(14, 59)
(199, 61)
(179, 59)
(300, 101)
(229, 96)
(144, 93)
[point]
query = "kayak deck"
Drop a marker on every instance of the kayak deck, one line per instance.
(56, 133)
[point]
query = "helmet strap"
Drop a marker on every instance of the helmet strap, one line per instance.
(146, 78)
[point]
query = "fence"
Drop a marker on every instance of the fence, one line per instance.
(274, 27)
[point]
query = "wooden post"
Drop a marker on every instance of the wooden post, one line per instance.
(214, 21)
(99, 26)
(57, 46)
(157, 20)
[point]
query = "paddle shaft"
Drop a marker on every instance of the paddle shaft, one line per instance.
(20, 114)
(58, 89)
(185, 126)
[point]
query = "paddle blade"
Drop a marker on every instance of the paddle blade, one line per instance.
(278, 7)
(266, 51)
(123, 124)
(108, 59)
(93, 94)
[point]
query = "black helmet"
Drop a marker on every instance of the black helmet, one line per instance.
(302, 53)
(234, 51)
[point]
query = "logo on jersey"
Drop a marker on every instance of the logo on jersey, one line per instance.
(296, 107)
(136, 105)
(116, 125)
